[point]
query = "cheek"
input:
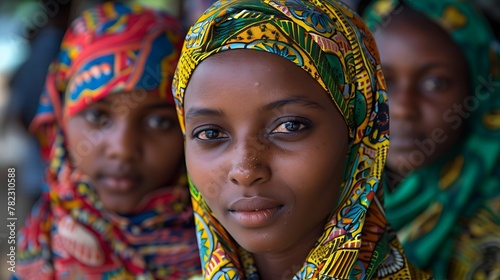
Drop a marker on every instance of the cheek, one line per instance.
(164, 157)
(166, 151)
(81, 150)
(323, 188)
(208, 182)
(447, 114)
(445, 121)
(331, 168)
(206, 173)
(317, 176)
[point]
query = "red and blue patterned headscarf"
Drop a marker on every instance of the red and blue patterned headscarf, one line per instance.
(107, 50)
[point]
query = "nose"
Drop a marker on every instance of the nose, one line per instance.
(403, 101)
(249, 163)
(123, 142)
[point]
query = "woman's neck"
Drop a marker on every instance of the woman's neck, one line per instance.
(285, 264)
(273, 267)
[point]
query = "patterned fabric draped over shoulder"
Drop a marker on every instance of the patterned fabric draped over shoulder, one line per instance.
(455, 231)
(328, 41)
(109, 49)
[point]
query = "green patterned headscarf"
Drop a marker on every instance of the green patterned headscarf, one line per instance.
(332, 44)
(448, 213)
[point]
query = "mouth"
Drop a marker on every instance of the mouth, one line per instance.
(403, 142)
(119, 182)
(255, 212)
(404, 135)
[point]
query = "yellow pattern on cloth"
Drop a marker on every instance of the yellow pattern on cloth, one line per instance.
(330, 42)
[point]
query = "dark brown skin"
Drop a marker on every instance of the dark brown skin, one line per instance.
(427, 82)
(261, 134)
(129, 144)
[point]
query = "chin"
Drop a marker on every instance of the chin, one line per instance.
(119, 207)
(407, 163)
(258, 249)
(259, 243)
(118, 210)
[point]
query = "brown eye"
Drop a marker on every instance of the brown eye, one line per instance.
(291, 126)
(210, 134)
(96, 117)
(159, 122)
(435, 84)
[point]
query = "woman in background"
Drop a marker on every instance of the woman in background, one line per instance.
(441, 63)
(116, 204)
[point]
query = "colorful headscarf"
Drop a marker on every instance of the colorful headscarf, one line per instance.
(70, 235)
(329, 42)
(448, 213)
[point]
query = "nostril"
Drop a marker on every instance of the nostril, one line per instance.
(246, 176)
(248, 166)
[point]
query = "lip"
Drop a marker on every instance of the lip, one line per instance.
(403, 142)
(255, 212)
(119, 182)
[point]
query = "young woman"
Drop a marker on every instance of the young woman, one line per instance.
(440, 60)
(284, 112)
(117, 204)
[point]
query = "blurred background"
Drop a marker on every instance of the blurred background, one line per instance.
(30, 35)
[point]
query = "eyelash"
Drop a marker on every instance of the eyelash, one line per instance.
(435, 84)
(159, 122)
(204, 130)
(303, 124)
(432, 84)
(101, 119)
(96, 117)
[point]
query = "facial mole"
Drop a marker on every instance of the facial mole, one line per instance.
(256, 84)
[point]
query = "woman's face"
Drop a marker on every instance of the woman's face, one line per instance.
(266, 147)
(129, 144)
(427, 83)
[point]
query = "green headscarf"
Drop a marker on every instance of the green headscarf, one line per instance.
(331, 43)
(448, 213)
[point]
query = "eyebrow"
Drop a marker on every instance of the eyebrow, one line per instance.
(106, 100)
(202, 112)
(425, 67)
(439, 64)
(205, 112)
(157, 105)
(290, 101)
